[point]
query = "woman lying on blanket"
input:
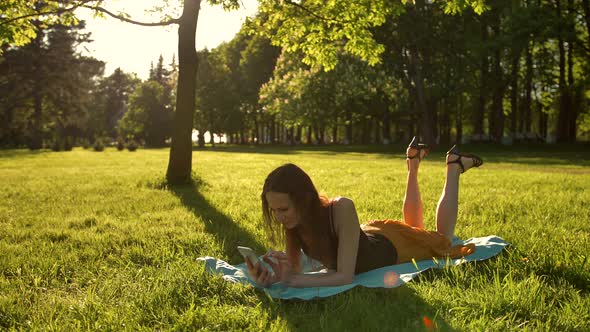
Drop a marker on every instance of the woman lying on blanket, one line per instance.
(328, 229)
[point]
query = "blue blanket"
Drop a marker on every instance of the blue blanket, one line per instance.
(386, 277)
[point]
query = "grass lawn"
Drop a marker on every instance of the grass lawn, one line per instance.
(94, 241)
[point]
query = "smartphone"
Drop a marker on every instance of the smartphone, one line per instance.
(248, 252)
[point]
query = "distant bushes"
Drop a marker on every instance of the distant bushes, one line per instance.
(120, 144)
(62, 144)
(132, 145)
(98, 145)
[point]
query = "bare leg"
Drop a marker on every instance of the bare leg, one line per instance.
(448, 205)
(412, 208)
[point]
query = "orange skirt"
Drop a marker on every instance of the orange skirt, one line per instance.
(416, 243)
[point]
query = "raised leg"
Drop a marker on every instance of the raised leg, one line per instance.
(448, 205)
(412, 208)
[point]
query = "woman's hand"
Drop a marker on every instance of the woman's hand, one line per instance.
(280, 264)
(260, 274)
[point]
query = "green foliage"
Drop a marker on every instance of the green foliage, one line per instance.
(459, 6)
(132, 145)
(85, 143)
(120, 144)
(301, 95)
(149, 116)
(228, 82)
(584, 125)
(321, 30)
(46, 88)
(21, 19)
(110, 102)
(98, 145)
(215, 92)
(333, 27)
(150, 108)
(112, 246)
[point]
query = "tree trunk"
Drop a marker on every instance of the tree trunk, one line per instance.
(514, 93)
(36, 136)
(181, 153)
(201, 138)
(543, 121)
(478, 115)
(386, 126)
(426, 127)
(445, 122)
(562, 117)
(496, 118)
(458, 122)
(290, 136)
(378, 131)
(527, 103)
(309, 131)
(365, 130)
(335, 131)
(572, 111)
(273, 131)
(36, 142)
(349, 125)
(255, 134)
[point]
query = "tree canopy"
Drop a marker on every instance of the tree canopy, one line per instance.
(368, 71)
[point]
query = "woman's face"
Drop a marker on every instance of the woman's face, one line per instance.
(282, 208)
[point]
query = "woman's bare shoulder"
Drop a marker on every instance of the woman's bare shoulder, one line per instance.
(343, 204)
(345, 215)
(341, 200)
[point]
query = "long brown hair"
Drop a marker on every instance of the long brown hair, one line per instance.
(313, 231)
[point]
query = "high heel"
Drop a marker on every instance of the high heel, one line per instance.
(477, 161)
(419, 147)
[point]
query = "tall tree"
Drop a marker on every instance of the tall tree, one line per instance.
(158, 126)
(149, 116)
(18, 29)
(46, 85)
(71, 79)
(111, 102)
(215, 94)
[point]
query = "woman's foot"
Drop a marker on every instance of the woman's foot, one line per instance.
(417, 150)
(464, 161)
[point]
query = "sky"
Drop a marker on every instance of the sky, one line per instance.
(133, 48)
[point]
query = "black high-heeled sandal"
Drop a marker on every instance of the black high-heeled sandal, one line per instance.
(419, 147)
(477, 161)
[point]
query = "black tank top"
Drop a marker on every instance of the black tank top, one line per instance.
(375, 250)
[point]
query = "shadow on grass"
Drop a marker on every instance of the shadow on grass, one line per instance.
(363, 309)
(573, 273)
(326, 149)
(577, 277)
(226, 231)
(12, 153)
(534, 154)
(526, 154)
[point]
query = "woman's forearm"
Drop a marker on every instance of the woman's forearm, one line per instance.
(320, 279)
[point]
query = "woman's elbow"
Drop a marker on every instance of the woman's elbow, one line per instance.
(346, 279)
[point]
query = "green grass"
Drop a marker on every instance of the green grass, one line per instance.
(98, 241)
